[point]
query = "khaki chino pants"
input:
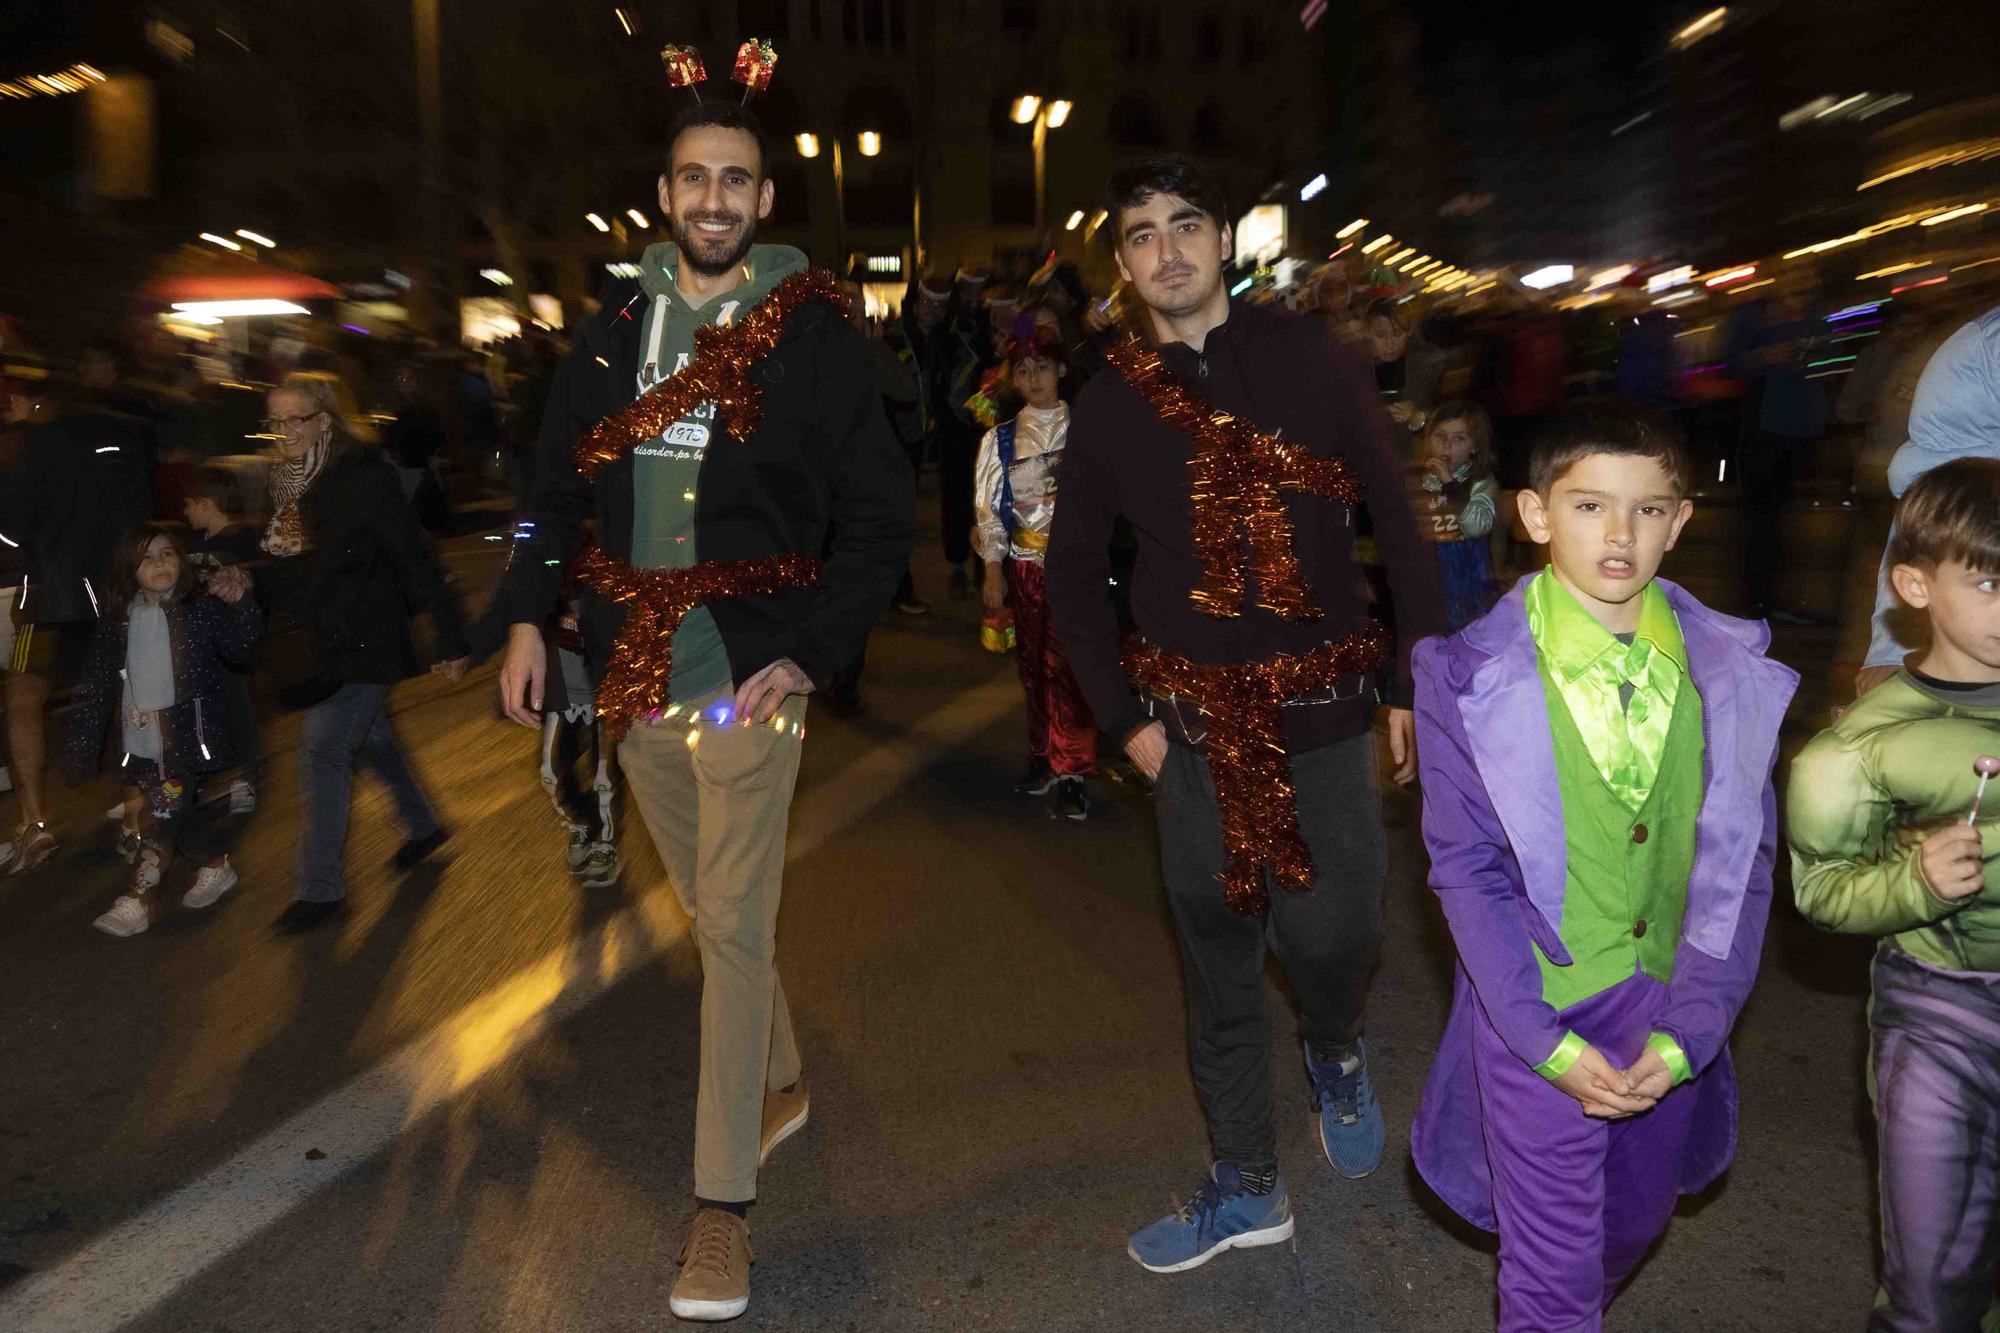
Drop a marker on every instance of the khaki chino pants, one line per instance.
(717, 813)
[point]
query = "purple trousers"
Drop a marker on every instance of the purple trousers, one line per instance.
(1577, 1201)
(1936, 1040)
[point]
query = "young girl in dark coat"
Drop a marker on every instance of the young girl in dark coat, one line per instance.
(155, 683)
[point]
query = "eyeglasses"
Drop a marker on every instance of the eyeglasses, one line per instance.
(287, 425)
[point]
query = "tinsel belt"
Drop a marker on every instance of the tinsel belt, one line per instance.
(1244, 706)
(642, 657)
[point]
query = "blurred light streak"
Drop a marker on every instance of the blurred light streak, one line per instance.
(1927, 282)
(1973, 150)
(257, 237)
(222, 241)
(638, 218)
(1605, 277)
(1674, 298)
(1025, 107)
(240, 309)
(1751, 286)
(1705, 26)
(1980, 263)
(1058, 113)
(1893, 268)
(1350, 229)
(1377, 243)
(1548, 275)
(1965, 212)
(1075, 221)
(870, 143)
(1312, 188)
(1865, 308)
(808, 144)
(1673, 277)
(597, 222)
(1723, 279)
(72, 80)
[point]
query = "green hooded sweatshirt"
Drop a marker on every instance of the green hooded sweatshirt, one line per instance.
(666, 472)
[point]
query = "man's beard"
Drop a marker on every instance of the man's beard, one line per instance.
(1187, 298)
(713, 256)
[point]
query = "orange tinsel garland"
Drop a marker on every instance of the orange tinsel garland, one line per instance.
(1246, 749)
(642, 658)
(719, 373)
(1241, 523)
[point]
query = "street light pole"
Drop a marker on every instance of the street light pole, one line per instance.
(430, 120)
(1041, 173)
(839, 211)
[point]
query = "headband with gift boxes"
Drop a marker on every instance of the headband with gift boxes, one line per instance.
(756, 60)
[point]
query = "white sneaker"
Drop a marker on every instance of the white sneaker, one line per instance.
(210, 883)
(600, 868)
(116, 814)
(127, 917)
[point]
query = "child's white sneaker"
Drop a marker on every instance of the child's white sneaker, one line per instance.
(210, 883)
(127, 917)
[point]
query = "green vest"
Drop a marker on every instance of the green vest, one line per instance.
(1625, 889)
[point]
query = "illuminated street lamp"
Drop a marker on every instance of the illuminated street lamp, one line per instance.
(1027, 106)
(1058, 113)
(870, 143)
(597, 222)
(638, 218)
(808, 144)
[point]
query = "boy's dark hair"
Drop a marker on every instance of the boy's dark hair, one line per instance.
(123, 584)
(1951, 512)
(1481, 425)
(220, 485)
(1608, 427)
(1182, 177)
(725, 116)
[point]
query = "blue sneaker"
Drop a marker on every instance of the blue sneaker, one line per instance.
(1350, 1119)
(1221, 1216)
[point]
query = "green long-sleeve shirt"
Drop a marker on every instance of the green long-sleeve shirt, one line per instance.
(1867, 791)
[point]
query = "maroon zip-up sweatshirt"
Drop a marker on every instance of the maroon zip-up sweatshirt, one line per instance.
(1286, 375)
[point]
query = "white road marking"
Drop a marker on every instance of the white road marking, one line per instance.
(129, 1270)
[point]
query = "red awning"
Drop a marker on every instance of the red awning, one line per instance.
(239, 280)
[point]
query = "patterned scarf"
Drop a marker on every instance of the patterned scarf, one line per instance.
(285, 534)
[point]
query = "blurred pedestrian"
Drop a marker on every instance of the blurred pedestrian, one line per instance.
(414, 441)
(220, 539)
(1455, 503)
(1251, 714)
(89, 480)
(1020, 462)
(1788, 413)
(710, 548)
(349, 565)
(155, 668)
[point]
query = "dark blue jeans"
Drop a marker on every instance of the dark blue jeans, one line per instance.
(337, 731)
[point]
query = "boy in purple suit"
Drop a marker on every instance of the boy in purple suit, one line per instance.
(1596, 755)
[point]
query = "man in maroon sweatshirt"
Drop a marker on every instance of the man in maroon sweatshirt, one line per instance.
(1235, 441)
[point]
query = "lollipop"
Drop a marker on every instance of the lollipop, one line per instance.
(1985, 766)
(756, 61)
(684, 67)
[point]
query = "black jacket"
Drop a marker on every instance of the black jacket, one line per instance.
(1285, 375)
(195, 734)
(90, 480)
(823, 461)
(366, 568)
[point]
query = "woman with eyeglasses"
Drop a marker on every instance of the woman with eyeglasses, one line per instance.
(349, 562)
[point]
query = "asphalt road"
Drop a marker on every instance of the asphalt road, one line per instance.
(469, 1105)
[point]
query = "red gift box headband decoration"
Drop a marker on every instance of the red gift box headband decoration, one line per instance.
(756, 61)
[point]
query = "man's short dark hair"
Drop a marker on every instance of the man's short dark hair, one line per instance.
(1608, 427)
(1184, 178)
(1951, 512)
(219, 484)
(724, 116)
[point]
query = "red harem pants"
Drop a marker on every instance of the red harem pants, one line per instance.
(1060, 728)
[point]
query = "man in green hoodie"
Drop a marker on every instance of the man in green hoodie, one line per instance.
(712, 766)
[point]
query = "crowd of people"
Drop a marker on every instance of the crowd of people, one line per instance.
(1232, 538)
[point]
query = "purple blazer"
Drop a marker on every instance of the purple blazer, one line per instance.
(1493, 824)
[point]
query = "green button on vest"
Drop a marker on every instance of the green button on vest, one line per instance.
(1626, 887)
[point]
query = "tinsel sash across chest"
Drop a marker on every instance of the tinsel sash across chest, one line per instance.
(720, 372)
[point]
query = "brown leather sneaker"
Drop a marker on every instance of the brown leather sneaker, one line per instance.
(715, 1268)
(784, 1116)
